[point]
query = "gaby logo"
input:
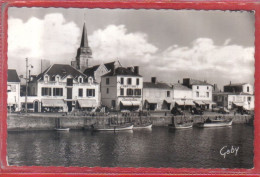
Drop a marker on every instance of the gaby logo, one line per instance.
(224, 151)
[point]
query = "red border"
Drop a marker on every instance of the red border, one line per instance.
(100, 171)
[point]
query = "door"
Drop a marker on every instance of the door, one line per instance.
(69, 104)
(69, 93)
(36, 106)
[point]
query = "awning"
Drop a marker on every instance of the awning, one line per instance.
(238, 103)
(209, 102)
(199, 102)
(180, 103)
(87, 103)
(189, 102)
(169, 101)
(150, 101)
(52, 103)
(130, 103)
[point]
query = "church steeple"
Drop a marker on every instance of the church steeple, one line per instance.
(84, 52)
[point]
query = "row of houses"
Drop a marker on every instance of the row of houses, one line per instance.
(63, 88)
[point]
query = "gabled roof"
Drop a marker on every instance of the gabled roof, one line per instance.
(61, 70)
(178, 86)
(12, 76)
(198, 82)
(157, 85)
(90, 71)
(122, 72)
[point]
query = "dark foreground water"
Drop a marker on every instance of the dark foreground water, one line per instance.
(159, 147)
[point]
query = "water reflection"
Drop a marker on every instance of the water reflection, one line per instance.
(159, 147)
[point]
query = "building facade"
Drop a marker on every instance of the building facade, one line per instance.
(121, 89)
(236, 95)
(201, 92)
(63, 88)
(157, 95)
(13, 91)
(182, 95)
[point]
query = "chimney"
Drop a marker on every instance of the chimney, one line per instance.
(129, 68)
(153, 79)
(136, 69)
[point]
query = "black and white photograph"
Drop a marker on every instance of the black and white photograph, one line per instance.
(165, 88)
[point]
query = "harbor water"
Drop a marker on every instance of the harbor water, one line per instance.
(159, 147)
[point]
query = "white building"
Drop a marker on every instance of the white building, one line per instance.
(157, 95)
(121, 89)
(201, 92)
(182, 95)
(63, 88)
(13, 91)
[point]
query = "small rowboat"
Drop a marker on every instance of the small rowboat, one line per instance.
(143, 126)
(112, 128)
(62, 129)
(181, 125)
(216, 123)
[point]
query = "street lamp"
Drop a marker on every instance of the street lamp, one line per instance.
(26, 85)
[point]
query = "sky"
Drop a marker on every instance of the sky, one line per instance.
(216, 46)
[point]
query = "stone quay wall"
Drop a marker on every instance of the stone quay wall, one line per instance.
(16, 122)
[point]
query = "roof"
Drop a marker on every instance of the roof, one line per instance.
(198, 82)
(90, 71)
(178, 86)
(235, 84)
(84, 38)
(61, 70)
(12, 76)
(122, 71)
(158, 85)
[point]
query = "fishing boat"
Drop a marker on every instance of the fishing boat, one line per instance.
(111, 127)
(183, 125)
(143, 126)
(216, 123)
(62, 129)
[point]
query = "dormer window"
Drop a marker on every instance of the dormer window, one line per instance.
(90, 80)
(46, 78)
(57, 79)
(80, 79)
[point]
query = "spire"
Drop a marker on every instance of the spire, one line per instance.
(84, 38)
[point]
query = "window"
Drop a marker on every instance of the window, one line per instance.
(249, 98)
(138, 92)
(137, 81)
(129, 81)
(197, 87)
(46, 78)
(57, 78)
(122, 81)
(90, 80)
(80, 92)
(9, 88)
(113, 103)
(168, 93)
(46, 91)
(69, 82)
(197, 94)
(247, 88)
(122, 92)
(57, 92)
(130, 92)
(208, 94)
(107, 81)
(207, 87)
(80, 80)
(90, 92)
(107, 90)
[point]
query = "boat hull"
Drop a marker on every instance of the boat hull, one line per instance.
(143, 127)
(181, 126)
(113, 128)
(62, 129)
(215, 124)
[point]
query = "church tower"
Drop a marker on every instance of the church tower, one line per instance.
(84, 52)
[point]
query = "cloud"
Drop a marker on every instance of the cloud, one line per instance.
(115, 42)
(50, 38)
(228, 62)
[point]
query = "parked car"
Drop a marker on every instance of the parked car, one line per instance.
(223, 111)
(198, 111)
(176, 111)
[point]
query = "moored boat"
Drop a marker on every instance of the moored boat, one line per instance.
(183, 125)
(111, 127)
(62, 129)
(143, 126)
(215, 123)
